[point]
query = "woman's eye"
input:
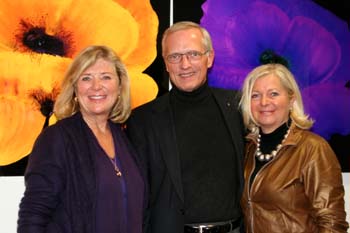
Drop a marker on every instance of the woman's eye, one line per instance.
(274, 94)
(254, 96)
(106, 77)
(85, 78)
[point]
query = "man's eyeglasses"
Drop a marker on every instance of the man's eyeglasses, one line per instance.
(190, 55)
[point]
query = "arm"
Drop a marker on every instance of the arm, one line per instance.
(44, 181)
(323, 186)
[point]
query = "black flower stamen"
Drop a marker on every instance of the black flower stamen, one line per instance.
(45, 101)
(269, 56)
(347, 85)
(37, 40)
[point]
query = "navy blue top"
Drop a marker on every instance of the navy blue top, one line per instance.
(117, 197)
(71, 186)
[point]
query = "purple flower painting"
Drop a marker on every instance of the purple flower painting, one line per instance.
(314, 42)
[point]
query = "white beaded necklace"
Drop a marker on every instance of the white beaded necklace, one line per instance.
(267, 157)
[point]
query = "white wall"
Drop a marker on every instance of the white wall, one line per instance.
(346, 181)
(11, 191)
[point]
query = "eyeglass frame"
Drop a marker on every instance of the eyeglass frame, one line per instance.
(189, 56)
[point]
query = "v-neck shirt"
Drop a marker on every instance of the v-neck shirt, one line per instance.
(119, 199)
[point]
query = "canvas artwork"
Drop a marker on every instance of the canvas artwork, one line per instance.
(38, 40)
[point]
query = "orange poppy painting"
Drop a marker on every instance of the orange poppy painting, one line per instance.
(38, 40)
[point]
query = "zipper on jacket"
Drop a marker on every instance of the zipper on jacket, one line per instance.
(251, 219)
(250, 186)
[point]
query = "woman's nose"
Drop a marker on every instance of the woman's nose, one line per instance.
(96, 83)
(264, 100)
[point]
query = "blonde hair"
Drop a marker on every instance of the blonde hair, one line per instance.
(184, 25)
(288, 82)
(66, 105)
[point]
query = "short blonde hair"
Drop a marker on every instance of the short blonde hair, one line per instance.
(184, 25)
(65, 105)
(288, 82)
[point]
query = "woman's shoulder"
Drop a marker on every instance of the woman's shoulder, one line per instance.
(314, 145)
(311, 138)
(67, 125)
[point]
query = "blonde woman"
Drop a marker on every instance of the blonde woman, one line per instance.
(82, 175)
(293, 180)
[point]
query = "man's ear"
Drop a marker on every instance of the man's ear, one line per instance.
(211, 56)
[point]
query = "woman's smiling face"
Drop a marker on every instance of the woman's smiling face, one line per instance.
(270, 103)
(98, 89)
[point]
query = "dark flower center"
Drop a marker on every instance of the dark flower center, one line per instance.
(269, 56)
(46, 107)
(347, 84)
(45, 101)
(37, 40)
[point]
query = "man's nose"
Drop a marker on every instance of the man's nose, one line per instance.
(185, 61)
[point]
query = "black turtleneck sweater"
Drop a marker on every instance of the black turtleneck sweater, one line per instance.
(208, 164)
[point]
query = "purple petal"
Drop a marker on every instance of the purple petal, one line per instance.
(314, 52)
(314, 41)
(329, 105)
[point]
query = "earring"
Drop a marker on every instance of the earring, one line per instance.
(76, 99)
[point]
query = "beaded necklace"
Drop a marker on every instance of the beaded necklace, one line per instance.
(267, 157)
(269, 141)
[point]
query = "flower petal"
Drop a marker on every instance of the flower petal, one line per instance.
(129, 27)
(143, 88)
(314, 41)
(313, 59)
(329, 105)
(147, 21)
(18, 117)
(18, 75)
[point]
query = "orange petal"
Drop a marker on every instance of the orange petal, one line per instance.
(143, 88)
(20, 124)
(22, 72)
(147, 21)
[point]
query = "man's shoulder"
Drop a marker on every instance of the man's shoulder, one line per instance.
(224, 90)
(226, 93)
(157, 104)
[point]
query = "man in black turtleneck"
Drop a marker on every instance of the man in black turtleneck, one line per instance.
(191, 142)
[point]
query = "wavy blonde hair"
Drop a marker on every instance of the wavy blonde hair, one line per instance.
(66, 106)
(288, 82)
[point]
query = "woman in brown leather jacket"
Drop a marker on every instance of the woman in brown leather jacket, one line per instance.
(293, 179)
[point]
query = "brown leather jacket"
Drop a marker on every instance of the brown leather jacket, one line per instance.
(300, 190)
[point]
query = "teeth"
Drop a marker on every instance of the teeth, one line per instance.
(97, 97)
(186, 75)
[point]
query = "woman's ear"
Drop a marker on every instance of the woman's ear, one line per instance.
(291, 102)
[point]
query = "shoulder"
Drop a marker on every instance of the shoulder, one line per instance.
(224, 91)
(157, 104)
(312, 139)
(63, 128)
(49, 145)
(313, 146)
(227, 94)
